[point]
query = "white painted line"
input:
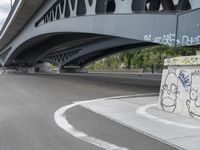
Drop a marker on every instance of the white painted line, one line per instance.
(61, 120)
(142, 111)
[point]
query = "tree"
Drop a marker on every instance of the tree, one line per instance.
(151, 57)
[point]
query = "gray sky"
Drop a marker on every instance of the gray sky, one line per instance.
(4, 10)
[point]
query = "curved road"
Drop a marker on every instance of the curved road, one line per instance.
(28, 103)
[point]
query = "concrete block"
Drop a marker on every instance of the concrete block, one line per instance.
(180, 90)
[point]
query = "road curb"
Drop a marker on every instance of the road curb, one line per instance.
(128, 126)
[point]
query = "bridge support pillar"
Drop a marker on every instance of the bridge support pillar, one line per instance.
(43, 67)
(180, 86)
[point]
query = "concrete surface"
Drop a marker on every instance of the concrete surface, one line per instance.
(180, 90)
(167, 127)
(28, 104)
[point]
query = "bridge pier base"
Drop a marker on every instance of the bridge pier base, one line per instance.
(180, 86)
(43, 67)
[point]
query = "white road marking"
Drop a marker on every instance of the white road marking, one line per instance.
(61, 120)
(142, 111)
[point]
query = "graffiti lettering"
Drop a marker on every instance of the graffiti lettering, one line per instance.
(148, 38)
(188, 41)
(184, 80)
(168, 39)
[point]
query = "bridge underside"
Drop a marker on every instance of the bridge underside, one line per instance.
(73, 49)
(76, 33)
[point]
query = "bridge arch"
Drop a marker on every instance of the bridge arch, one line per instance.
(127, 22)
(69, 46)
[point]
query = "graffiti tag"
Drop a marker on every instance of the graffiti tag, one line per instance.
(170, 39)
(188, 41)
(184, 79)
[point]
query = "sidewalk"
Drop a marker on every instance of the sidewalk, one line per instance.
(142, 114)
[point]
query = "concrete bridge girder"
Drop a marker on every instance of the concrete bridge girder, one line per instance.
(67, 56)
(84, 60)
(127, 26)
(56, 43)
(85, 17)
(67, 8)
(62, 47)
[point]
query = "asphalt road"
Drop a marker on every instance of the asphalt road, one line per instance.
(28, 103)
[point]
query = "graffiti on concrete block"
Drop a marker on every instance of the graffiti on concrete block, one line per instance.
(169, 91)
(184, 79)
(193, 102)
(180, 91)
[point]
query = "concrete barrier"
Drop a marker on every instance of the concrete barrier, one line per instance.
(180, 86)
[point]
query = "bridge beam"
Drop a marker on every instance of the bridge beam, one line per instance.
(82, 55)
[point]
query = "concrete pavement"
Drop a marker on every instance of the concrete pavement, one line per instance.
(28, 103)
(131, 122)
(141, 114)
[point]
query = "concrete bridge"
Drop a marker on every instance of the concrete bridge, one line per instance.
(78, 32)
